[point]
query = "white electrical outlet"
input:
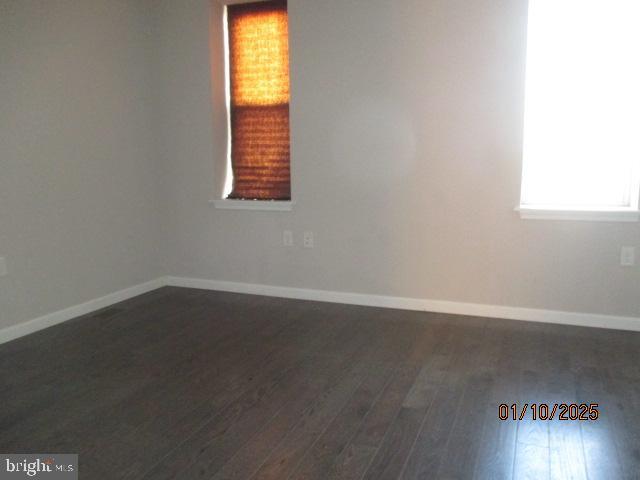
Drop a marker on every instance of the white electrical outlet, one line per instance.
(628, 256)
(3, 267)
(287, 238)
(308, 239)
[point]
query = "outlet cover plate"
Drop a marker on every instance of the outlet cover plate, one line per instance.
(628, 256)
(308, 240)
(287, 238)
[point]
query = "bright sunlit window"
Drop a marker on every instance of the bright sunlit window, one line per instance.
(582, 107)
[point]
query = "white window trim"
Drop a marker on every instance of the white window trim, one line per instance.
(530, 212)
(627, 211)
(265, 205)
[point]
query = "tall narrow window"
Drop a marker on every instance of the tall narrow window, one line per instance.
(582, 108)
(258, 76)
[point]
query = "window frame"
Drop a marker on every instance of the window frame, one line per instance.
(532, 212)
(629, 213)
(220, 200)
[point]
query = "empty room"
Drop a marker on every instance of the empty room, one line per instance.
(320, 239)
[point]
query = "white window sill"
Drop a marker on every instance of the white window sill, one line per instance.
(267, 205)
(603, 215)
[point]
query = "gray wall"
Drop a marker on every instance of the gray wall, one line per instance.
(406, 138)
(79, 209)
(406, 124)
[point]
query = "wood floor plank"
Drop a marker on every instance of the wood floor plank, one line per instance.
(464, 444)
(216, 395)
(601, 438)
(186, 384)
(206, 389)
(429, 450)
(495, 457)
(286, 456)
(566, 448)
(248, 459)
(289, 453)
(83, 377)
(400, 438)
(621, 405)
(532, 455)
(390, 345)
(205, 452)
(354, 460)
(220, 437)
(319, 459)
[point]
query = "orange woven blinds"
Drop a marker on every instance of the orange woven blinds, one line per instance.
(259, 75)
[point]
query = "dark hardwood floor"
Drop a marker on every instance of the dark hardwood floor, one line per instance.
(188, 384)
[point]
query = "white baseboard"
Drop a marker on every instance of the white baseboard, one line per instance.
(31, 326)
(404, 303)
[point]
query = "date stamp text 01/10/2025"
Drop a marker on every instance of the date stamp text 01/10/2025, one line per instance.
(547, 411)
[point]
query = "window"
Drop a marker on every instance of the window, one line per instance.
(582, 107)
(257, 61)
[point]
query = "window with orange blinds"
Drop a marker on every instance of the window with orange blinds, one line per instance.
(259, 100)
